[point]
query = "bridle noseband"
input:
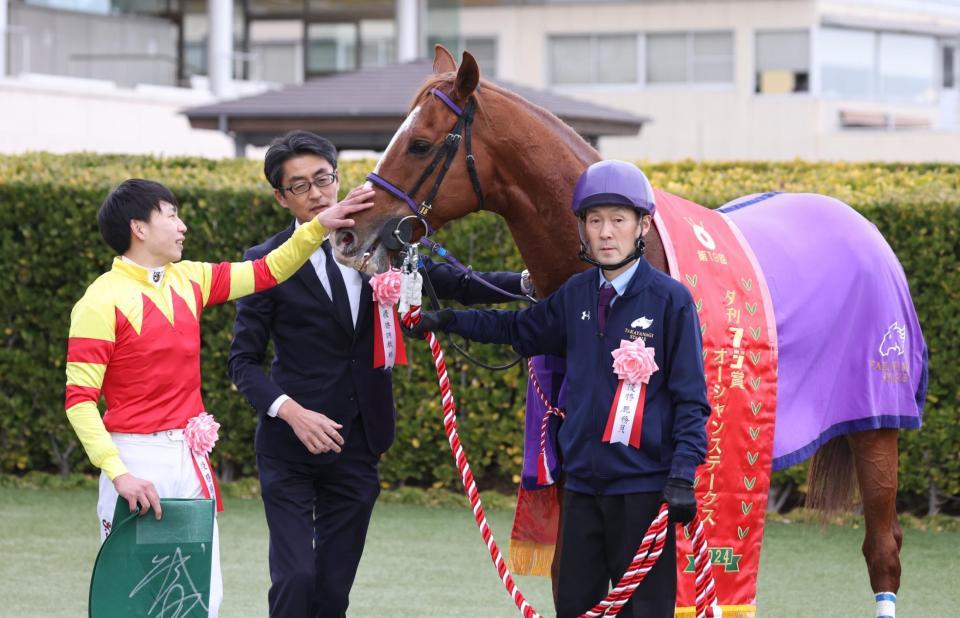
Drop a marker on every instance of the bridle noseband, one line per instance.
(446, 153)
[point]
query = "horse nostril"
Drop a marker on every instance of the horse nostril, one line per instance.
(346, 242)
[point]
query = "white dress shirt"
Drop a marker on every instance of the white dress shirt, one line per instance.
(351, 280)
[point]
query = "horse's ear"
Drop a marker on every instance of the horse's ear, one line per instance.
(443, 61)
(468, 76)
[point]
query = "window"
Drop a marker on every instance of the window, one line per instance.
(484, 49)
(593, 59)
(907, 66)
(331, 47)
(690, 58)
(378, 42)
(868, 64)
(782, 62)
(848, 64)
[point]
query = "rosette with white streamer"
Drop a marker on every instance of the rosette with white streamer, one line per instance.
(388, 348)
(200, 434)
(633, 362)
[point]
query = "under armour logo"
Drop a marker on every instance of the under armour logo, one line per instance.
(585, 315)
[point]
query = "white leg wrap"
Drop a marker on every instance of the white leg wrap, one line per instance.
(886, 605)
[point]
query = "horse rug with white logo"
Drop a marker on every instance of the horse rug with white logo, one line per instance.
(852, 356)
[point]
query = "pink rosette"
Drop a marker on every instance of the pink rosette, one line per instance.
(201, 433)
(633, 362)
(386, 287)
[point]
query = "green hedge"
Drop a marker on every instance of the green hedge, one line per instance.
(52, 251)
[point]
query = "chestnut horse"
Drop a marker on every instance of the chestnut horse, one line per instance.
(522, 163)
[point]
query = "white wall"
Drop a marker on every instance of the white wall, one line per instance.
(67, 115)
(127, 49)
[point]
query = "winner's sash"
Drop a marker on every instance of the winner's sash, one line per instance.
(708, 254)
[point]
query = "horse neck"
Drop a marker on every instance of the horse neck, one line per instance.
(539, 160)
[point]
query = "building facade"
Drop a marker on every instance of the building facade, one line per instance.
(719, 79)
(746, 79)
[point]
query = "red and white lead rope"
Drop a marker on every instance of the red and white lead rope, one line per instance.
(646, 556)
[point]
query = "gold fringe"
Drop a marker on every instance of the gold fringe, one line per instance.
(529, 558)
(729, 611)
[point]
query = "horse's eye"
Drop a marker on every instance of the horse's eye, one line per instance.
(420, 147)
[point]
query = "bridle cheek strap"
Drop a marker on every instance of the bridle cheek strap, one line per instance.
(445, 153)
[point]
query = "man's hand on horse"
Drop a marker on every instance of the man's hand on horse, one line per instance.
(336, 217)
(435, 321)
(681, 500)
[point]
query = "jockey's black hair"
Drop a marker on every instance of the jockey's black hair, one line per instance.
(133, 200)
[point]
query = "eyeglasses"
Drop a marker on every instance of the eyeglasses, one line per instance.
(321, 181)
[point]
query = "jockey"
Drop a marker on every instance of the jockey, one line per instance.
(631, 438)
(135, 339)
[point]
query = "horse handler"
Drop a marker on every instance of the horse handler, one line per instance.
(135, 337)
(636, 398)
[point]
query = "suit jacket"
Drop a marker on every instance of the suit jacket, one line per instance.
(324, 364)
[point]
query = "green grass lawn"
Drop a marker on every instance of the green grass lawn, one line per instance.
(422, 561)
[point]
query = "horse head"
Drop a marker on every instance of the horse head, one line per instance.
(424, 176)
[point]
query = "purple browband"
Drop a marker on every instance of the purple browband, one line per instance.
(456, 109)
(385, 184)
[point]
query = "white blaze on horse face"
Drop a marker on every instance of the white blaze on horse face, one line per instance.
(393, 140)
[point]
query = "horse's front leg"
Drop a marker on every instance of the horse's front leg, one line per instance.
(875, 456)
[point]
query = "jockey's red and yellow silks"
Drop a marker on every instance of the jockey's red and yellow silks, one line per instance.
(138, 341)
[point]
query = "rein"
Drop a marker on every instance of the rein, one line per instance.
(446, 153)
(435, 303)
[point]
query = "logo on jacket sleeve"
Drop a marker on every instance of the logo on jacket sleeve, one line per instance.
(585, 315)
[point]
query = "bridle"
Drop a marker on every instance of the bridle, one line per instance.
(445, 154)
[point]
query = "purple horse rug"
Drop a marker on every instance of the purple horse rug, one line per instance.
(851, 353)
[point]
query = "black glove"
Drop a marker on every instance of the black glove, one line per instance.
(682, 502)
(435, 321)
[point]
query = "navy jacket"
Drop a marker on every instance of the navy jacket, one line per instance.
(673, 435)
(323, 364)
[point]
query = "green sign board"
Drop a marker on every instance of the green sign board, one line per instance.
(157, 569)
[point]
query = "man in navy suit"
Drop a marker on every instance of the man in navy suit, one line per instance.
(325, 415)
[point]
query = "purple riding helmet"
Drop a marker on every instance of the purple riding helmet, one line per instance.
(612, 183)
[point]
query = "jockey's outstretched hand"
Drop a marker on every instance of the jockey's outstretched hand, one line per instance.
(436, 321)
(336, 217)
(680, 499)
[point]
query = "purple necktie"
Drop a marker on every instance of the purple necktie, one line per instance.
(606, 295)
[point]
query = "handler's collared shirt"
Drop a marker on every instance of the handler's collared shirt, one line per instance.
(620, 282)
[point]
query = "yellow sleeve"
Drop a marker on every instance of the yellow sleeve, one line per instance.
(89, 348)
(229, 280)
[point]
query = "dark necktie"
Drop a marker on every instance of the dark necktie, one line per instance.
(338, 291)
(606, 295)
